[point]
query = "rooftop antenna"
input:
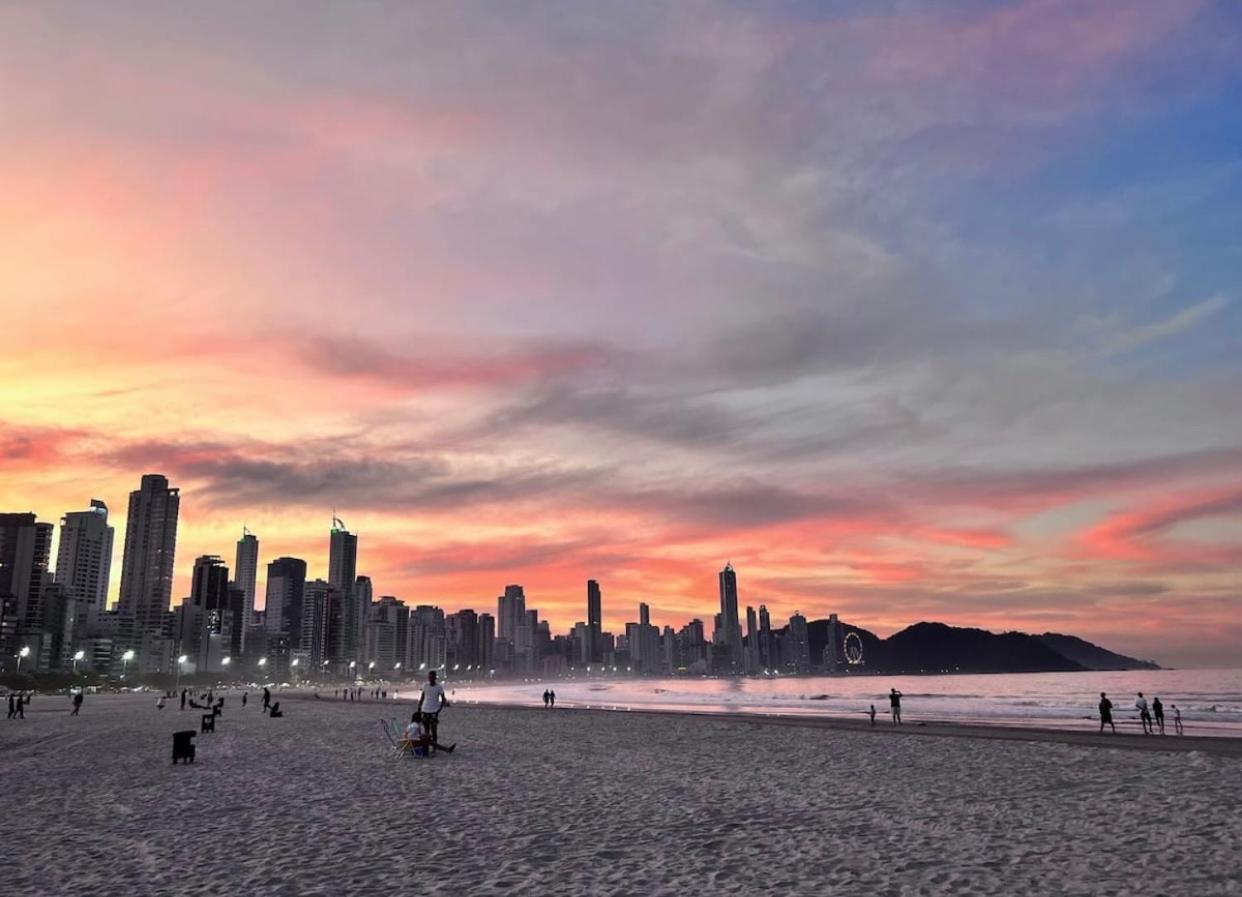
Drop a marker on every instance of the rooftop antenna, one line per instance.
(337, 522)
(246, 532)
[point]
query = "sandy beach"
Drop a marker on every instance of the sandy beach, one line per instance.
(573, 802)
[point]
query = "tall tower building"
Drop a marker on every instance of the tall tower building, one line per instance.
(342, 574)
(595, 617)
(84, 558)
(729, 619)
(801, 643)
(510, 613)
(245, 573)
(766, 654)
(487, 643)
(150, 551)
(25, 546)
(282, 612)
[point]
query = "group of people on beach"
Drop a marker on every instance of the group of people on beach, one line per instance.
(1151, 717)
(17, 704)
(549, 699)
(422, 735)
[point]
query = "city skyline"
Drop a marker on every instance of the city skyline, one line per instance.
(917, 311)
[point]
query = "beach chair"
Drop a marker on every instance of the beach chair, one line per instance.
(208, 723)
(183, 746)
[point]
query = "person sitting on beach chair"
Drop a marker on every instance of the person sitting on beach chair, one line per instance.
(419, 740)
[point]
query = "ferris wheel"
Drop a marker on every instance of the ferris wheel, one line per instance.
(853, 649)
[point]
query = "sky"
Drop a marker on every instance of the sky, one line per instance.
(910, 310)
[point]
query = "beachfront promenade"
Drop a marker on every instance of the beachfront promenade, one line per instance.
(587, 802)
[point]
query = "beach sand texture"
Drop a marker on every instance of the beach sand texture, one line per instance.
(593, 803)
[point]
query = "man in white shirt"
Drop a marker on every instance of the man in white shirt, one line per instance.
(430, 703)
(1144, 715)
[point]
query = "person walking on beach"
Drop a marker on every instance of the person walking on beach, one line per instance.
(430, 702)
(1144, 713)
(267, 699)
(21, 705)
(551, 699)
(545, 699)
(183, 699)
(77, 704)
(245, 698)
(872, 713)
(1106, 713)
(894, 705)
(1158, 710)
(1177, 721)
(12, 707)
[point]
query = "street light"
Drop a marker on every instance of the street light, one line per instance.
(76, 657)
(180, 663)
(23, 653)
(126, 658)
(262, 661)
(371, 665)
(225, 662)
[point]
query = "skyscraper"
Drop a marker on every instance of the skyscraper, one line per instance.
(487, 642)
(729, 619)
(510, 613)
(25, 546)
(342, 574)
(594, 620)
(282, 612)
(766, 658)
(800, 643)
(752, 642)
(245, 572)
(84, 558)
(150, 552)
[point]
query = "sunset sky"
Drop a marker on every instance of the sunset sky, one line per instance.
(910, 310)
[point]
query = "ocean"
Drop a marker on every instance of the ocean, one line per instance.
(1210, 700)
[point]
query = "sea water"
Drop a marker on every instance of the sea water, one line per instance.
(1210, 700)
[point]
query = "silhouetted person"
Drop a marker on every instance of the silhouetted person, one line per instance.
(894, 705)
(872, 713)
(183, 699)
(275, 712)
(267, 699)
(552, 699)
(12, 707)
(430, 702)
(21, 706)
(1144, 714)
(1177, 721)
(245, 698)
(1158, 710)
(1106, 713)
(77, 704)
(545, 699)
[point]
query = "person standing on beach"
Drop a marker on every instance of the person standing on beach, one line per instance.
(430, 702)
(21, 705)
(245, 697)
(551, 699)
(183, 699)
(1106, 713)
(872, 716)
(1144, 713)
(1177, 721)
(12, 708)
(1158, 709)
(77, 704)
(267, 699)
(894, 705)
(545, 699)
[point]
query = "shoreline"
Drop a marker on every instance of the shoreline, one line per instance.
(1222, 745)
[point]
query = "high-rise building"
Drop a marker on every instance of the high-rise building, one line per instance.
(510, 613)
(463, 639)
(800, 644)
(150, 552)
(25, 547)
(595, 620)
(487, 643)
(428, 643)
(767, 659)
(752, 642)
(317, 600)
(246, 572)
(732, 638)
(394, 611)
(84, 557)
(834, 646)
(342, 574)
(282, 613)
(361, 599)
